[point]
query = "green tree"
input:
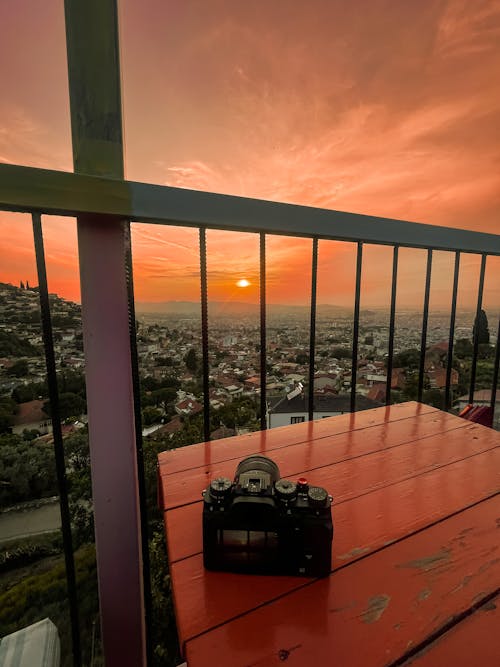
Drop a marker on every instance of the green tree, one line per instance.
(191, 361)
(29, 392)
(27, 470)
(31, 434)
(463, 348)
(70, 405)
(19, 368)
(408, 359)
(77, 454)
(480, 328)
(341, 353)
(7, 407)
(71, 381)
(151, 415)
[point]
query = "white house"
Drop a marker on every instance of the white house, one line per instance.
(284, 411)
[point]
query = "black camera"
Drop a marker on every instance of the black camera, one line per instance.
(262, 524)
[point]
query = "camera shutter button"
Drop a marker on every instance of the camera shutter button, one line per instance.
(220, 487)
(317, 496)
(285, 489)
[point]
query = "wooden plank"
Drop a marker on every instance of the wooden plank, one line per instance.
(349, 479)
(371, 613)
(380, 448)
(474, 641)
(264, 442)
(362, 525)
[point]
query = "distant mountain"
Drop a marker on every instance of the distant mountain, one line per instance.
(234, 308)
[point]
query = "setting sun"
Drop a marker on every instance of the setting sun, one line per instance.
(243, 283)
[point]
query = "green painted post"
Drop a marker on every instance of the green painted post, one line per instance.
(96, 124)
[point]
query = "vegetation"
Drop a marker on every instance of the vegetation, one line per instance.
(7, 408)
(41, 592)
(19, 369)
(13, 346)
(480, 328)
(191, 361)
(27, 470)
(71, 405)
(22, 552)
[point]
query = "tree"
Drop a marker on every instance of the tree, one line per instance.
(29, 392)
(76, 449)
(21, 285)
(31, 434)
(26, 470)
(151, 415)
(302, 358)
(7, 408)
(191, 361)
(19, 369)
(409, 359)
(70, 405)
(341, 353)
(480, 328)
(463, 348)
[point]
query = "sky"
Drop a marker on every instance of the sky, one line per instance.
(384, 107)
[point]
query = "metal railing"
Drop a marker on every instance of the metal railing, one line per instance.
(104, 205)
(327, 232)
(273, 219)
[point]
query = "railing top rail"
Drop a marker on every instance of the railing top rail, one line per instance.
(63, 193)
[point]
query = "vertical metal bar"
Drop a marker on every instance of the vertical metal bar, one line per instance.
(451, 335)
(495, 373)
(204, 333)
(263, 341)
(355, 333)
(96, 126)
(50, 362)
(312, 327)
(476, 331)
(392, 324)
(425, 321)
(148, 602)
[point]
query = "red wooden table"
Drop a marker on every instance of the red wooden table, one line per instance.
(416, 549)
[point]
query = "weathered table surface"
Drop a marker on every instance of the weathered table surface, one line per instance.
(416, 550)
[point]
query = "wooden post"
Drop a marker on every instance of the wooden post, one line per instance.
(96, 123)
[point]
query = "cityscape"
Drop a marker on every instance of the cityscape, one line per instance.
(169, 353)
(169, 348)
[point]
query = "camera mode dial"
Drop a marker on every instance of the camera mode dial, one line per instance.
(220, 487)
(285, 489)
(317, 496)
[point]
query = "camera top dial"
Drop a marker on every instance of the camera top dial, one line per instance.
(285, 489)
(220, 487)
(317, 496)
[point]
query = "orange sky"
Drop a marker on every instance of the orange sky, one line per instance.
(383, 107)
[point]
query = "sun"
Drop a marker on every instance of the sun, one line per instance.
(243, 283)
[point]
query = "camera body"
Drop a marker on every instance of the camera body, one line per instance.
(262, 524)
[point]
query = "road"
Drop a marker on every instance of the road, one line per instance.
(15, 525)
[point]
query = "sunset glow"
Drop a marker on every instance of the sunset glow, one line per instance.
(385, 108)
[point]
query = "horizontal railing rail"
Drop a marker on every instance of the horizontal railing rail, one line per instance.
(28, 189)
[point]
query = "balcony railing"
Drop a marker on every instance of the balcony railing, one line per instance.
(24, 189)
(104, 206)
